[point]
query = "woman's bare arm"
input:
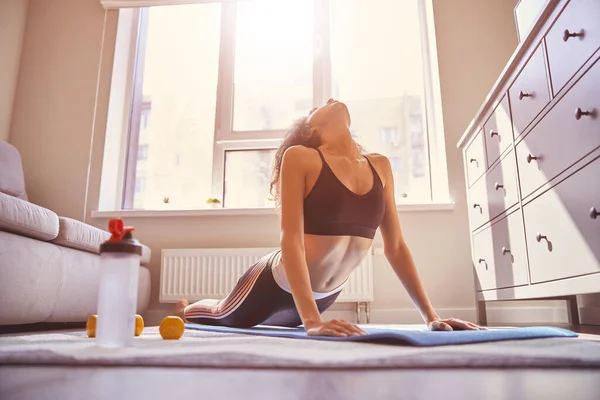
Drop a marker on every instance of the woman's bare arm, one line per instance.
(396, 249)
(401, 260)
(293, 181)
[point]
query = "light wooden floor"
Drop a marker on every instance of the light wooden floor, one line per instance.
(41, 383)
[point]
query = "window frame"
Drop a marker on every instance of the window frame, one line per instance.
(226, 139)
(136, 79)
(241, 147)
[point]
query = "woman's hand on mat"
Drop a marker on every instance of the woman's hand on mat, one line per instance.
(334, 327)
(451, 324)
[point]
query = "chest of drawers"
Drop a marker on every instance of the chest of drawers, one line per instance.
(532, 165)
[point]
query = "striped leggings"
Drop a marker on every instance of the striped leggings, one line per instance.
(256, 299)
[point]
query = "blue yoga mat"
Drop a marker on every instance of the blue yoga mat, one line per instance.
(403, 337)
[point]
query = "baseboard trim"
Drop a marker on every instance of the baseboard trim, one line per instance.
(495, 315)
(526, 315)
(399, 315)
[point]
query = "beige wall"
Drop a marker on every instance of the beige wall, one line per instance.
(13, 15)
(55, 109)
(54, 104)
(475, 41)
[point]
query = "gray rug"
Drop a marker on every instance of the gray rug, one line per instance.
(209, 349)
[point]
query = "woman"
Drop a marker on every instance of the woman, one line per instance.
(332, 198)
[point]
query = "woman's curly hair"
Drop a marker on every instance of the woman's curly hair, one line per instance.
(299, 134)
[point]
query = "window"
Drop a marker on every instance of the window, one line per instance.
(389, 136)
(139, 185)
(248, 178)
(142, 152)
(378, 35)
(215, 85)
(273, 63)
(177, 65)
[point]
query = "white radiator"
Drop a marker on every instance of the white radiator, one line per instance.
(196, 274)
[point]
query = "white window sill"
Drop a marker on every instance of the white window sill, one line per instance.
(215, 212)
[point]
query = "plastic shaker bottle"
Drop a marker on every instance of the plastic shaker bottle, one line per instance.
(118, 289)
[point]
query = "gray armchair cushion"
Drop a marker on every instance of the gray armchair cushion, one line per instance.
(12, 181)
(27, 219)
(81, 236)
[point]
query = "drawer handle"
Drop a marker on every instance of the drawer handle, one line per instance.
(567, 34)
(522, 95)
(505, 251)
(481, 260)
(498, 186)
(493, 133)
(476, 205)
(474, 160)
(580, 113)
(594, 213)
(531, 158)
(539, 237)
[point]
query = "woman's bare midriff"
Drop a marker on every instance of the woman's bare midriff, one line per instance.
(331, 259)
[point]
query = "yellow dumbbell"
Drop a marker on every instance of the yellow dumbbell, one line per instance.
(90, 326)
(139, 325)
(171, 328)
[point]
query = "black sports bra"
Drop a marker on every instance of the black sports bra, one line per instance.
(332, 209)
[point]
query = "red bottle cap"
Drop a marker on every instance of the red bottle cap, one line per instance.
(121, 239)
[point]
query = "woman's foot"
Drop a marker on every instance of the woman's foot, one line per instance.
(180, 309)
